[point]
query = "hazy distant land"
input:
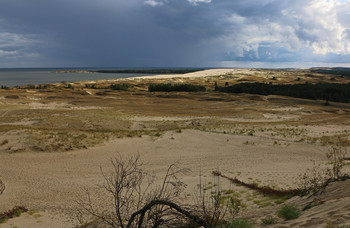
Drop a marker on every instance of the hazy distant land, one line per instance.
(134, 71)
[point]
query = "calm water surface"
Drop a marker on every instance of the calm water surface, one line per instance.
(14, 77)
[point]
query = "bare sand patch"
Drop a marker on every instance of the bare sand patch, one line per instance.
(59, 106)
(52, 182)
(204, 73)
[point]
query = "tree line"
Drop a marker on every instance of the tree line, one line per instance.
(325, 91)
(168, 87)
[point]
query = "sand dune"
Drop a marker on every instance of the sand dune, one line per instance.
(54, 141)
(51, 182)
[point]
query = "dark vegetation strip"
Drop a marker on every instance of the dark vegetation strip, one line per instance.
(14, 212)
(2, 187)
(326, 91)
(176, 87)
(342, 71)
(123, 86)
(149, 71)
(265, 190)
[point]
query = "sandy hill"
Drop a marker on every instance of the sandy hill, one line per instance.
(54, 139)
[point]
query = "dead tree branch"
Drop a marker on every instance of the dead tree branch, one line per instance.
(170, 204)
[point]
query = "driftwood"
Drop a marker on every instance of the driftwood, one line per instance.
(2, 187)
(170, 204)
(266, 190)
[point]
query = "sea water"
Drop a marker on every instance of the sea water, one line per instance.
(20, 77)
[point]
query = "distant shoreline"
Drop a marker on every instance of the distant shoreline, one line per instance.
(22, 77)
(133, 71)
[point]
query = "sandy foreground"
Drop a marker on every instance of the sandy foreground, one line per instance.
(49, 183)
(53, 181)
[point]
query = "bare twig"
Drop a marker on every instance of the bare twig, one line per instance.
(170, 204)
(336, 156)
(127, 188)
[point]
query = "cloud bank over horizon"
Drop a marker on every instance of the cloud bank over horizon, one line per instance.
(174, 33)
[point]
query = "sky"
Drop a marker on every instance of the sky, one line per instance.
(174, 33)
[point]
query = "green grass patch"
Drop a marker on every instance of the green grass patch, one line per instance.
(268, 221)
(263, 202)
(241, 223)
(3, 219)
(280, 199)
(17, 213)
(334, 225)
(289, 212)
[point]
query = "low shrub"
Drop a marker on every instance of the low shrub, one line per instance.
(4, 142)
(318, 177)
(123, 87)
(268, 221)
(3, 219)
(176, 87)
(289, 212)
(17, 213)
(241, 223)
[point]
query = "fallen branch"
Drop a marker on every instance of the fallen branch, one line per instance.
(266, 190)
(148, 206)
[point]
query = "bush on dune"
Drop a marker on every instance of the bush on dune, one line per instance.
(123, 87)
(176, 87)
(289, 212)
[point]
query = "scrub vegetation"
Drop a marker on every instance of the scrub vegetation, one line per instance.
(328, 92)
(176, 87)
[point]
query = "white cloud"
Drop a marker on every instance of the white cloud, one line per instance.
(7, 53)
(153, 3)
(325, 30)
(196, 2)
(17, 49)
(12, 40)
(314, 25)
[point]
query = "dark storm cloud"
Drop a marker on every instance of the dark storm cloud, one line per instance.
(171, 32)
